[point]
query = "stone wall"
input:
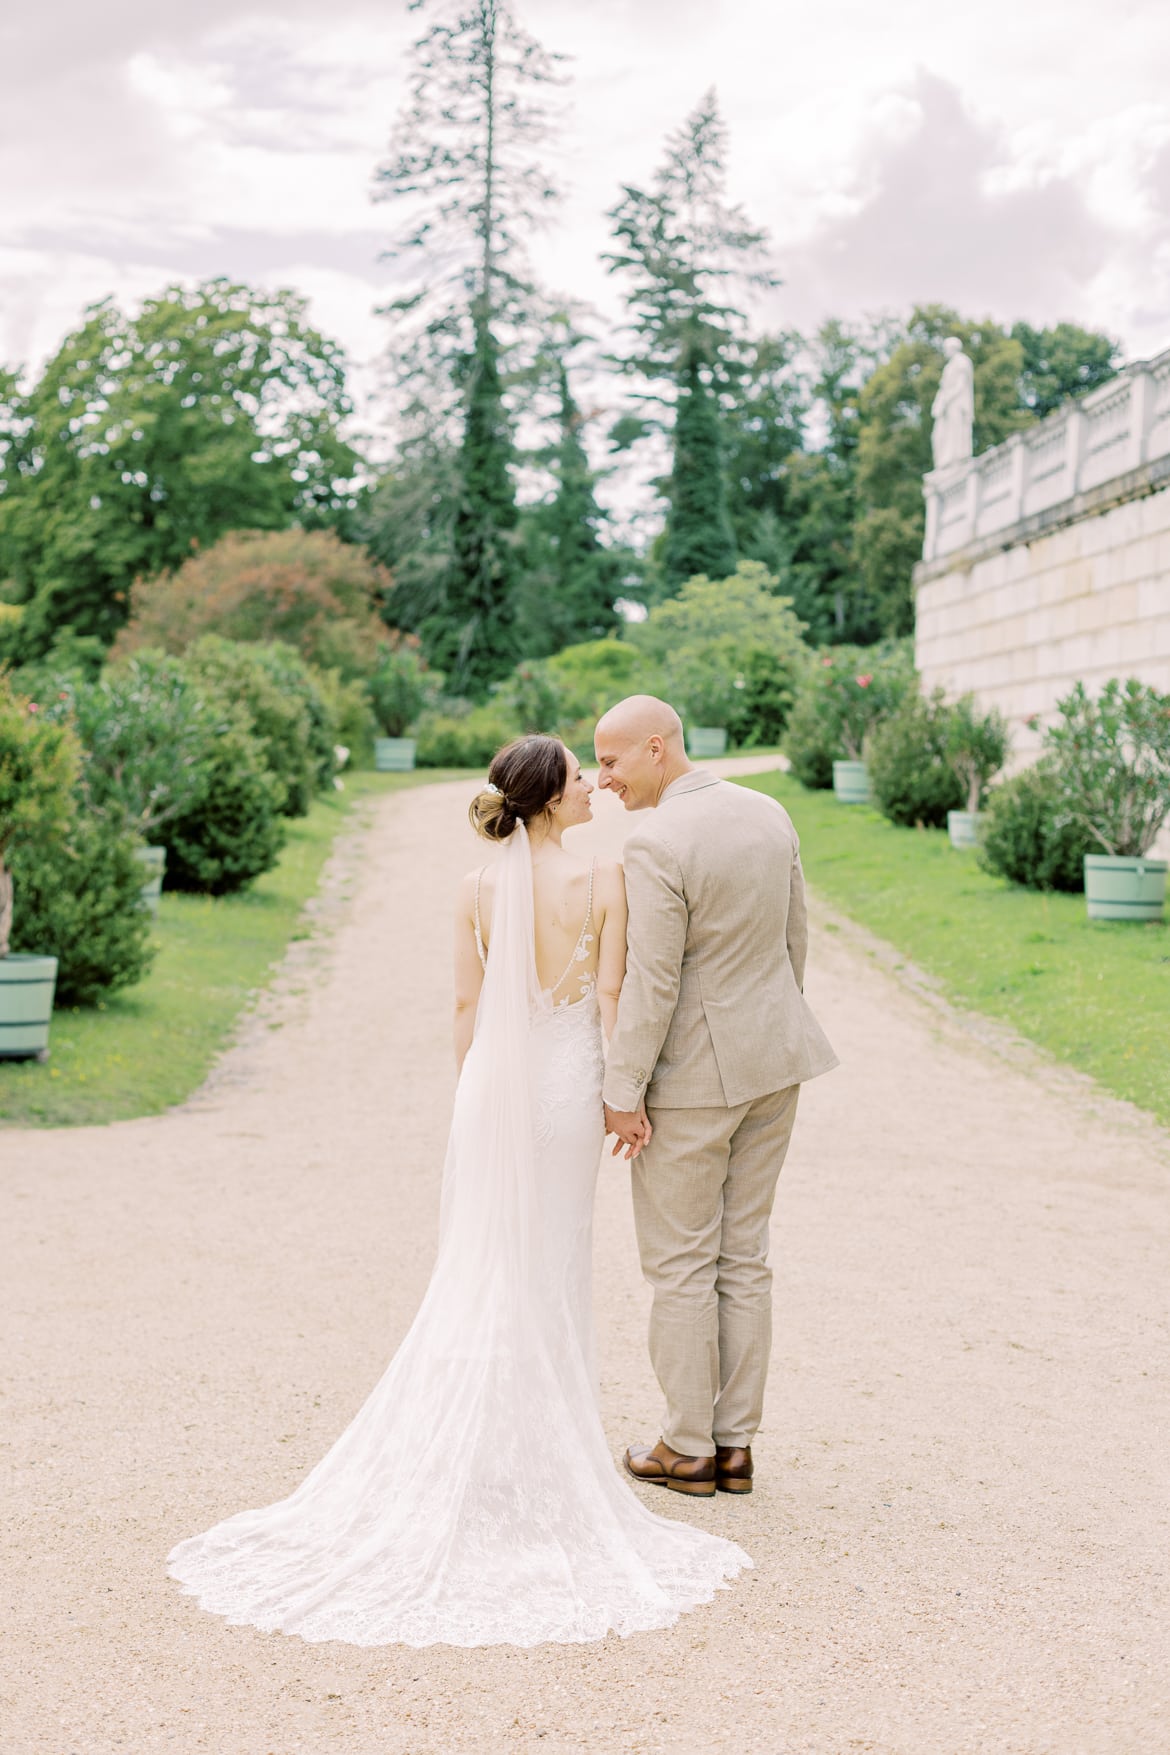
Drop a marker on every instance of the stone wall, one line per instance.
(1075, 584)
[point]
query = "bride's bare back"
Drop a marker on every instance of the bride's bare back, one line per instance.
(579, 921)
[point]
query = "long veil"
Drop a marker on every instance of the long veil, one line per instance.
(473, 1499)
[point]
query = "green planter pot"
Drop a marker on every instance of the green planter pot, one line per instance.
(26, 1006)
(851, 782)
(1124, 889)
(394, 755)
(155, 861)
(963, 827)
(707, 740)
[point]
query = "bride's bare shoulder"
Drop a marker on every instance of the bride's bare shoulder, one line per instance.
(609, 881)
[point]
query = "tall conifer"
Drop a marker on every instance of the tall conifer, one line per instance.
(467, 160)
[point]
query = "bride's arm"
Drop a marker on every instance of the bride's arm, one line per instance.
(468, 970)
(611, 945)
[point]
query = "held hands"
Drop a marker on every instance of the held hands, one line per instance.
(632, 1127)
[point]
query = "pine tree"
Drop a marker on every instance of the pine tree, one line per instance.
(472, 638)
(699, 537)
(468, 145)
(571, 579)
(685, 255)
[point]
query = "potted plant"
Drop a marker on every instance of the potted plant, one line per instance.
(860, 707)
(1112, 756)
(976, 748)
(39, 761)
(398, 693)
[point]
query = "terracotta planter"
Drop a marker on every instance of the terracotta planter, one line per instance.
(26, 1006)
(963, 827)
(1124, 889)
(851, 782)
(394, 755)
(706, 740)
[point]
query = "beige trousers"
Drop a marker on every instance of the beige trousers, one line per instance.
(703, 1194)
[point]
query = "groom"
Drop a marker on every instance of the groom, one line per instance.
(713, 1041)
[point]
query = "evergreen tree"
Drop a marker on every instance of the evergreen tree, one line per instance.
(467, 158)
(571, 580)
(472, 635)
(699, 537)
(685, 254)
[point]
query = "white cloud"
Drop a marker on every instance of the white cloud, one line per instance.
(1009, 159)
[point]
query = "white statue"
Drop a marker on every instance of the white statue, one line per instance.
(953, 408)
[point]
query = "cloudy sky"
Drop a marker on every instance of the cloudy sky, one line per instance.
(1009, 158)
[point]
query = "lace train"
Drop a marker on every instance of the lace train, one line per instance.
(473, 1500)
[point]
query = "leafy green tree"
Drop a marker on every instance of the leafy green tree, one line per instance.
(893, 450)
(726, 652)
(466, 158)
(147, 437)
(1062, 361)
(686, 257)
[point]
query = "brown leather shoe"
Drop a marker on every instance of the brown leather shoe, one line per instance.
(664, 1467)
(733, 1469)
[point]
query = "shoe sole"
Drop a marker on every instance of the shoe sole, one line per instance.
(693, 1489)
(733, 1486)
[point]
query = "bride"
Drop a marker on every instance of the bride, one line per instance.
(473, 1500)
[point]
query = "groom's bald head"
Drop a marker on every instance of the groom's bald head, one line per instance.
(640, 750)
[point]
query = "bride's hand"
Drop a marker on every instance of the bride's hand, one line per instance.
(632, 1130)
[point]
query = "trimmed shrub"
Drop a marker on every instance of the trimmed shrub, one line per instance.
(468, 740)
(350, 715)
(398, 689)
(39, 765)
(278, 713)
(233, 830)
(79, 898)
(910, 775)
(1025, 837)
(146, 726)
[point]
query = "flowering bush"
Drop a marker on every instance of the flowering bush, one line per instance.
(845, 694)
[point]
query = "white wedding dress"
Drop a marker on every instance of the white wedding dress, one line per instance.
(473, 1500)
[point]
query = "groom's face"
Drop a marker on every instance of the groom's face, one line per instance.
(631, 768)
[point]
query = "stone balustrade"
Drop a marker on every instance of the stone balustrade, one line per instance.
(1102, 437)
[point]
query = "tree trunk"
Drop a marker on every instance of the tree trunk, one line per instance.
(5, 909)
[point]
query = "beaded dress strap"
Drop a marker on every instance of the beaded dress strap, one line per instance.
(582, 936)
(479, 945)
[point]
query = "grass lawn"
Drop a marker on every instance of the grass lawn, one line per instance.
(1093, 993)
(150, 1046)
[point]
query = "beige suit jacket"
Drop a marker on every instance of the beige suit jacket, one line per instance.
(712, 1011)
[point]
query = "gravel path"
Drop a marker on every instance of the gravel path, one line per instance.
(960, 1527)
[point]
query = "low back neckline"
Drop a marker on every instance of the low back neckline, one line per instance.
(580, 948)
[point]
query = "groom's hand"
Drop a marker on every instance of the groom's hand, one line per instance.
(632, 1128)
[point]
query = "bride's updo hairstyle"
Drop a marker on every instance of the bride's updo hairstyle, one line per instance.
(524, 779)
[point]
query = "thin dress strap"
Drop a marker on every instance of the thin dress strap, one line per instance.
(478, 928)
(582, 936)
